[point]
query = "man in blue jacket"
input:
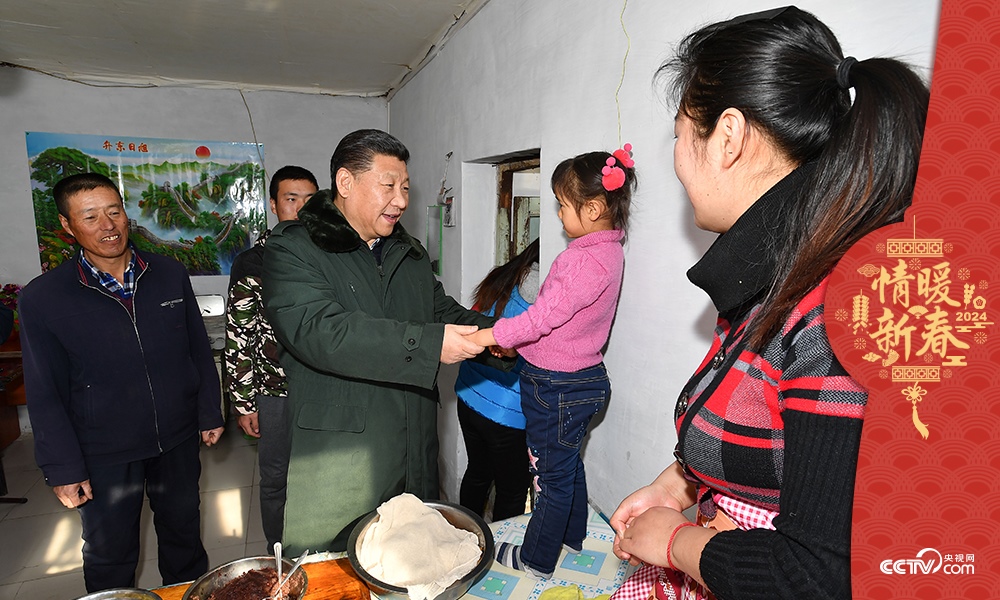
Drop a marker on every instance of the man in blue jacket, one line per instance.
(120, 380)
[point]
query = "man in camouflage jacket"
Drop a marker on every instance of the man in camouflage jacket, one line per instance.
(255, 381)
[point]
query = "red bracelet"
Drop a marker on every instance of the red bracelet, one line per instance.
(670, 543)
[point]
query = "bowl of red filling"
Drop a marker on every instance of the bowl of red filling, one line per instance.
(250, 578)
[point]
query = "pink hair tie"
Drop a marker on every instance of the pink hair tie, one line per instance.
(613, 175)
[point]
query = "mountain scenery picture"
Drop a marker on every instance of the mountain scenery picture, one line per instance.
(197, 201)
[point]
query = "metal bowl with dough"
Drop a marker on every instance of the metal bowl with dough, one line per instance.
(459, 517)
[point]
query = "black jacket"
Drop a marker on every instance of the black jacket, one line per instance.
(104, 387)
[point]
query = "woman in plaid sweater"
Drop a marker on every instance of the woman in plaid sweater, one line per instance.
(777, 159)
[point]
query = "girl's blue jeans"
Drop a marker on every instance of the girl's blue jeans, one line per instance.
(558, 408)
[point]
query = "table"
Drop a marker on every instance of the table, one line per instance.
(595, 570)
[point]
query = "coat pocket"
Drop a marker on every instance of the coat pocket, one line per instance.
(326, 417)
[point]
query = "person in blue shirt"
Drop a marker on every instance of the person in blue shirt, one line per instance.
(489, 407)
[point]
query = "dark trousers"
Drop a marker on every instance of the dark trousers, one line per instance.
(111, 519)
(498, 455)
(558, 408)
(273, 449)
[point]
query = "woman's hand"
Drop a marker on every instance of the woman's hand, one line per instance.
(647, 536)
(669, 490)
(638, 503)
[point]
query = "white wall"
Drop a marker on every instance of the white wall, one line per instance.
(521, 75)
(296, 129)
(526, 74)
(300, 129)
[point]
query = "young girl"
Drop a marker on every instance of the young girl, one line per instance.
(564, 382)
(490, 400)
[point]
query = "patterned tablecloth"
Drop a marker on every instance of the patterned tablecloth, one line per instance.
(595, 570)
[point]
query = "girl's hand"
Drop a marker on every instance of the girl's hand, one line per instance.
(647, 536)
(483, 337)
(499, 352)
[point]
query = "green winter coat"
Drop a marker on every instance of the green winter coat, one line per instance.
(361, 350)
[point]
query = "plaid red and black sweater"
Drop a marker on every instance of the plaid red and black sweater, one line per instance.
(779, 429)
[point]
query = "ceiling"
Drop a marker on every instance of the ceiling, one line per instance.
(348, 47)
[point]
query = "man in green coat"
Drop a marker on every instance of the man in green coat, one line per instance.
(364, 326)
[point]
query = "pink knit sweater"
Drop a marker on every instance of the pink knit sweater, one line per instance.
(566, 327)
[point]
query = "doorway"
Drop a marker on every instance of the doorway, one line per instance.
(518, 197)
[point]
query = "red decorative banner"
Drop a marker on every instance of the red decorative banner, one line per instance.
(913, 312)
